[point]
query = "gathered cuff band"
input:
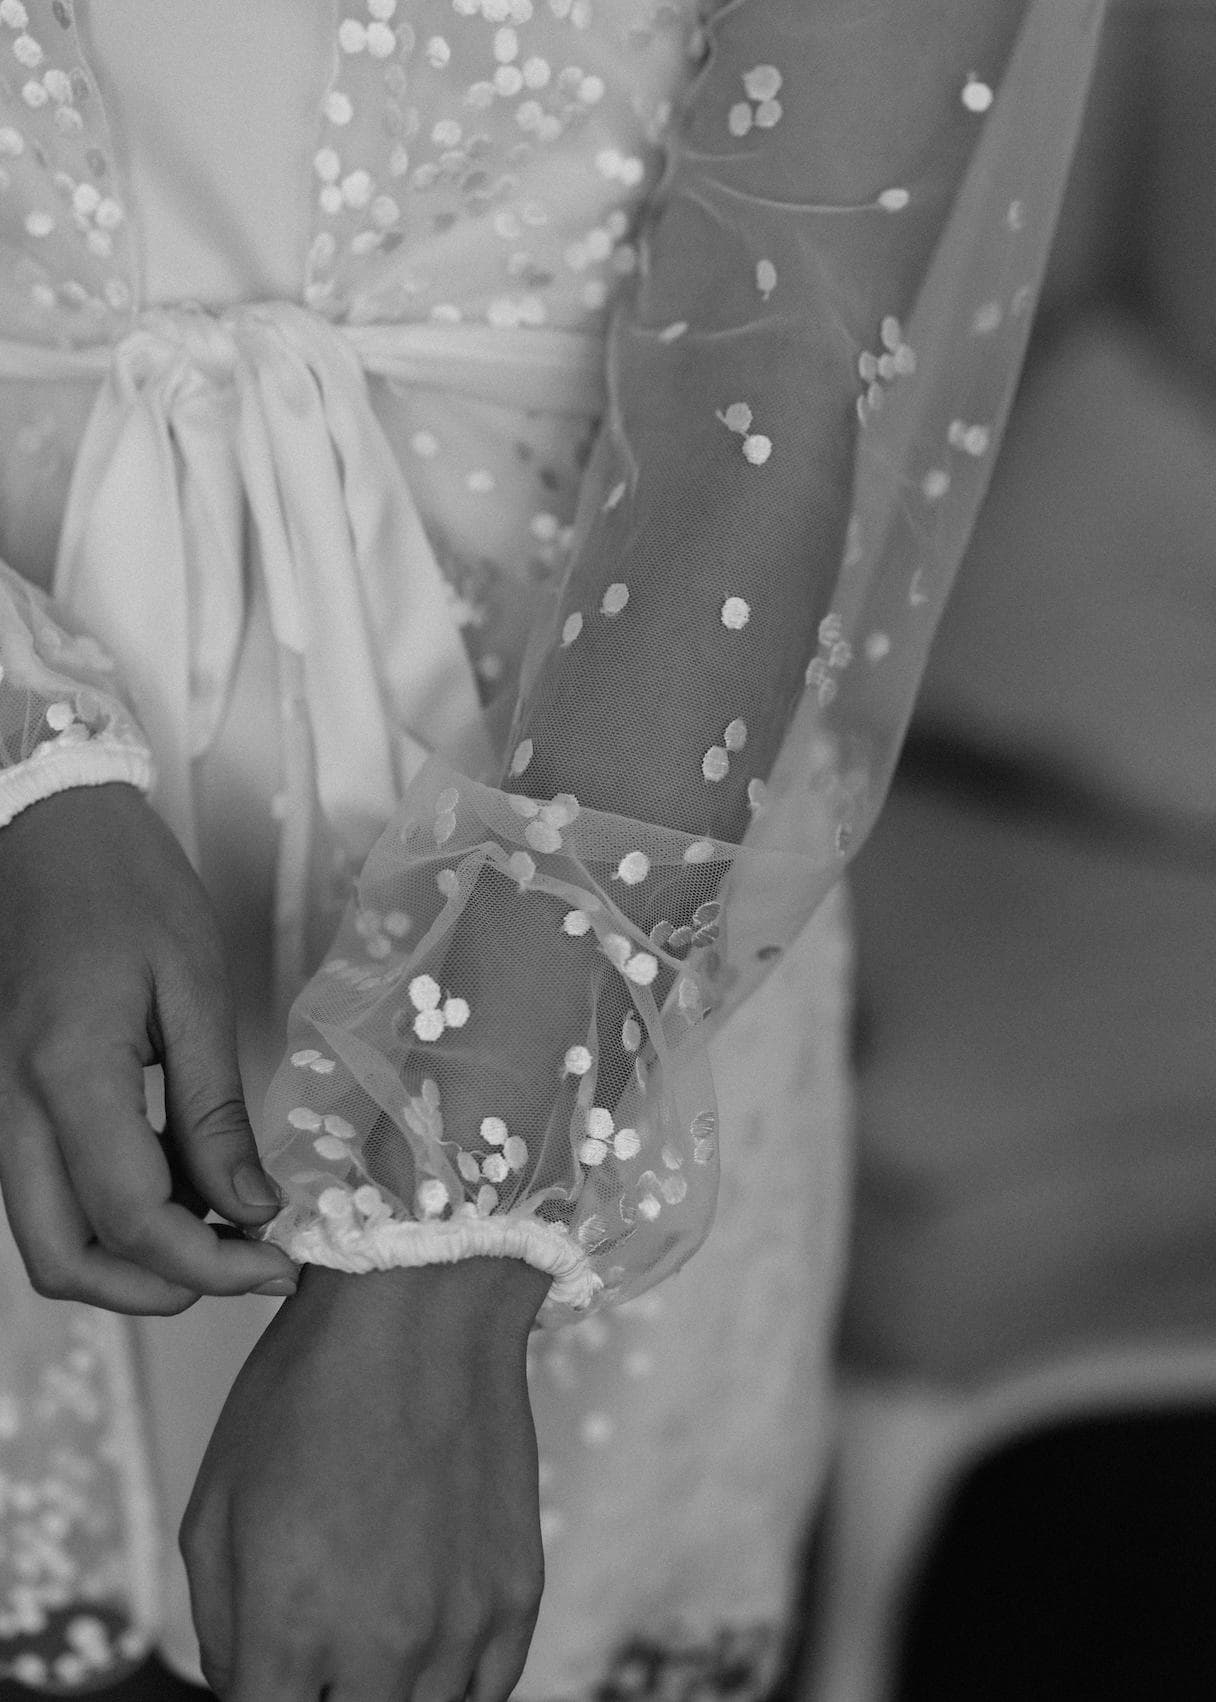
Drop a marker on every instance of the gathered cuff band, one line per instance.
(345, 1241)
(55, 767)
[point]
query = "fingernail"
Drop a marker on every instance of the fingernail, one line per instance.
(280, 1285)
(253, 1186)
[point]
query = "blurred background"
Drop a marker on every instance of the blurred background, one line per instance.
(1025, 1505)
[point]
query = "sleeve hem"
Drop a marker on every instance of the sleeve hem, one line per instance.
(56, 768)
(344, 1242)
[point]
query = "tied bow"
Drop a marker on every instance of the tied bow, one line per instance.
(267, 404)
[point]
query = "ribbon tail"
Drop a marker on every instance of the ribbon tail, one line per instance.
(212, 510)
(423, 667)
(121, 573)
(316, 609)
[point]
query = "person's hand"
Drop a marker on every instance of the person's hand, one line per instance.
(111, 960)
(365, 1521)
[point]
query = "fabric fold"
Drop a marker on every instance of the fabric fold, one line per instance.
(264, 410)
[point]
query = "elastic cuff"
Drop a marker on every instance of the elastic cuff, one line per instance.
(57, 767)
(341, 1238)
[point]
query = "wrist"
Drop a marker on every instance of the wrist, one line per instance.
(492, 1298)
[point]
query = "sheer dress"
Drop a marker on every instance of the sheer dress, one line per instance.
(536, 552)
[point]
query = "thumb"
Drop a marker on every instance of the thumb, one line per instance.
(207, 1122)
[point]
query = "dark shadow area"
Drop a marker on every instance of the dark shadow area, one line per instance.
(1075, 1565)
(153, 1682)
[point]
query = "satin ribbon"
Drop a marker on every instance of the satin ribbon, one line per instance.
(268, 404)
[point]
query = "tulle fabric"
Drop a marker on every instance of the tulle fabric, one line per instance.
(808, 378)
(64, 716)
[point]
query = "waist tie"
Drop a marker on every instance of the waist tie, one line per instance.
(268, 402)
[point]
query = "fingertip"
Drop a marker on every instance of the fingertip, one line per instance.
(254, 1192)
(241, 1211)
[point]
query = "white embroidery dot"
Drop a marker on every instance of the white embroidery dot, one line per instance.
(715, 764)
(762, 82)
(522, 757)
(424, 992)
(357, 188)
(429, 1025)
(757, 448)
(642, 968)
(735, 614)
(599, 1123)
(766, 278)
(735, 736)
(737, 417)
(578, 1061)
(626, 1144)
(543, 836)
(615, 599)
(977, 96)
(894, 200)
(27, 52)
(493, 1131)
(432, 1198)
(633, 867)
(521, 868)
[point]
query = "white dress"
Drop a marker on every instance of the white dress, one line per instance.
(788, 431)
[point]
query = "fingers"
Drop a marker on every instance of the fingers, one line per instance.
(381, 1683)
(269, 1669)
(206, 1119)
(501, 1666)
(123, 1184)
(391, 1660)
(55, 1239)
(205, 1541)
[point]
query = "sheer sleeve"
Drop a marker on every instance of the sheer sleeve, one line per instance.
(808, 378)
(64, 720)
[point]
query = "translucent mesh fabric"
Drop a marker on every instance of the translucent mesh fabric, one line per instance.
(808, 378)
(64, 720)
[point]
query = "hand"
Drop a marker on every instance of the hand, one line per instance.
(111, 960)
(366, 1515)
